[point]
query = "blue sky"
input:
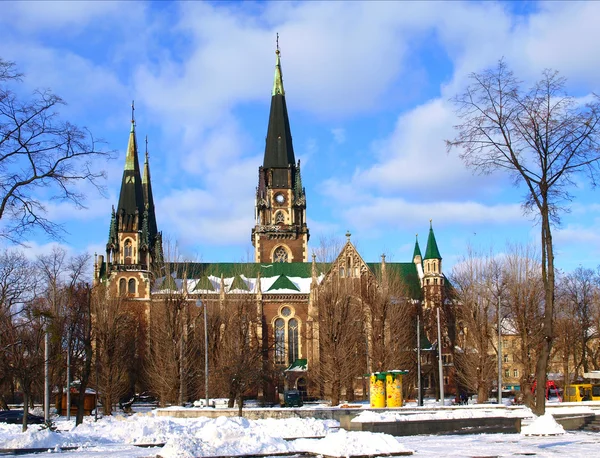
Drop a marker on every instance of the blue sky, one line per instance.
(367, 88)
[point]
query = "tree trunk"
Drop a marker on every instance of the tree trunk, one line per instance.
(85, 377)
(240, 405)
(335, 393)
(25, 409)
(547, 332)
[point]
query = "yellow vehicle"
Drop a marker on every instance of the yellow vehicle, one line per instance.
(580, 392)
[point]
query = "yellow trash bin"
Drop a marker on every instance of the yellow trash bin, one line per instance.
(393, 388)
(377, 391)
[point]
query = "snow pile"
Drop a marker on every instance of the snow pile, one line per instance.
(543, 426)
(370, 416)
(344, 443)
(224, 436)
(297, 427)
(34, 438)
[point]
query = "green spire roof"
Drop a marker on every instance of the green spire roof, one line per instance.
(432, 252)
(417, 251)
(283, 283)
(149, 199)
(279, 151)
(131, 198)
(278, 80)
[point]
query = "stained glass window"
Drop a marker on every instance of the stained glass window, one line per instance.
(279, 341)
(280, 255)
(292, 340)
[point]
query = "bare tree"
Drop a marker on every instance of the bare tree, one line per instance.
(390, 318)
(473, 282)
(342, 339)
(25, 354)
(524, 299)
(240, 367)
(543, 138)
(114, 334)
(577, 293)
(16, 288)
(39, 150)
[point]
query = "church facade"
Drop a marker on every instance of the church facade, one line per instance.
(284, 279)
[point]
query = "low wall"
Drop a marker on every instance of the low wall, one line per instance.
(574, 422)
(341, 415)
(454, 426)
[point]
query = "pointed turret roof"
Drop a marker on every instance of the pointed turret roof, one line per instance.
(148, 198)
(417, 251)
(279, 151)
(432, 252)
(131, 198)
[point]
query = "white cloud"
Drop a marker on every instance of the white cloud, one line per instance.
(396, 212)
(339, 135)
(70, 17)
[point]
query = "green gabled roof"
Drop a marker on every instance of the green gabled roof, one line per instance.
(283, 283)
(405, 270)
(238, 283)
(168, 283)
(204, 284)
(298, 365)
(248, 269)
(432, 252)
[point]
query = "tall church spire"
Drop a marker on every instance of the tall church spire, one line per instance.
(280, 234)
(131, 200)
(148, 197)
(279, 151)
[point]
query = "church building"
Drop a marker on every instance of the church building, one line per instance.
(285, 277)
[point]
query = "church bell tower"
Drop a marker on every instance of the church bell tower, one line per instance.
(134, 243)
(280, 233)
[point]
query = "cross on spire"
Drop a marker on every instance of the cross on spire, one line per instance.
(133, 111)
(277, 41)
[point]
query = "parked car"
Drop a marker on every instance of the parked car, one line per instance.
(16, 417)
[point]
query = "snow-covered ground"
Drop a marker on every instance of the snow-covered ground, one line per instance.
(230, 436)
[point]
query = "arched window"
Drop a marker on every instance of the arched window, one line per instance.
(128, 251)
(279, 218)
(279, 341)
(131, 286)
(122, 286)
(342, 271)
(280, 255)
(292, 340)
(287, 336)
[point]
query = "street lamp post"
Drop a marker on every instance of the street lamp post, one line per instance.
(440, 365)
(199, 303)
(47, 375)
(69, 378)
(499, 354)
(419, 388)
